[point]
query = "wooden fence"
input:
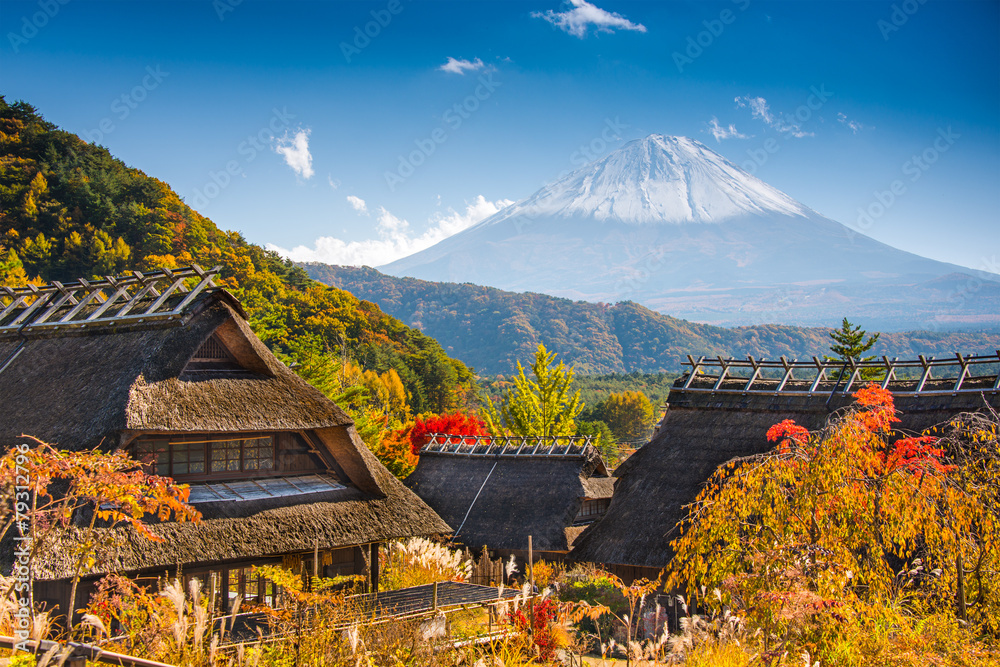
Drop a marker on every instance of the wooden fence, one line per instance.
(485, 571)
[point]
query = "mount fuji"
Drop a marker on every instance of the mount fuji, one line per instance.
(667, 222)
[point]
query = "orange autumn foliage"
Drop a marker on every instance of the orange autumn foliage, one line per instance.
(817, 529)
(455, 423)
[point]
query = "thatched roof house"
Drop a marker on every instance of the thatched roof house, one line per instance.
(173, 374)
(723, 411)
(495, 492)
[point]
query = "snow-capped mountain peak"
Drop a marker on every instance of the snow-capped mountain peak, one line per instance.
(659, 179)
(669, 223)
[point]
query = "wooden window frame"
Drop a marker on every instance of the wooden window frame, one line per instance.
(593, 508)
(168, 442)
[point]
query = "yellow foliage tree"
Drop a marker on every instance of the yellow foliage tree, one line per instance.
(849, 516)
(629, 415)
(540, 407)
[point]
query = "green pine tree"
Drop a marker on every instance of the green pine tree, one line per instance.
(539, 407)
(603, 439)
(849, 344)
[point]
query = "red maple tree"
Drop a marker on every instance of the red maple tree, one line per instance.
(456, 423)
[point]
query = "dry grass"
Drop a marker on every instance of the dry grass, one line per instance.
(174, 626)
(417, 561)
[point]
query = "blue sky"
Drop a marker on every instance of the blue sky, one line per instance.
(282, 120)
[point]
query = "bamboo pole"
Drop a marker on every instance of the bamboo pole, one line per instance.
(531, 566)
(963, 611)
(92, 653)
(531, 586)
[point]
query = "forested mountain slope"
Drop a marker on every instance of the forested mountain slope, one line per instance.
(69, 209)
(491, 329)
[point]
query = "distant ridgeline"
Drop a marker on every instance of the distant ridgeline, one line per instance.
(720, 410)
(491, 329)
(70, 209)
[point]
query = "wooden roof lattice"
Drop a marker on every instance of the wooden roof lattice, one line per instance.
(923, 376)
(134, 297)
(507, 446)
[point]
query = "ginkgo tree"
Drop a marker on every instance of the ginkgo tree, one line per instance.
(831, 520)
(543, 406)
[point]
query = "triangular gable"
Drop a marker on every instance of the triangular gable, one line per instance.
(213, 355)
(226, 350)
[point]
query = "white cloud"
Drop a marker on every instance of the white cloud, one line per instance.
(853, 125)
(575, 21)
(358, 204)
(759, 108)
(395, 238)
(461, 66)
(295, 150)
(720, 132)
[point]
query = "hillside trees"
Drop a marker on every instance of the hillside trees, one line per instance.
(68, 209)
(539, 407)
(629, 415)
(11, 268)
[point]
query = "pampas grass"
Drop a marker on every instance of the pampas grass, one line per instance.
(418, 561)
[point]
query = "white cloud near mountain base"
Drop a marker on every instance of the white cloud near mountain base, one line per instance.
(395, 238)
(583, 15)
(295, 150)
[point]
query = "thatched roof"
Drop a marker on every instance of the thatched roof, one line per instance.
(522, 495)
(699, 432)
(104, 382)
(255, 529)
(80, 388)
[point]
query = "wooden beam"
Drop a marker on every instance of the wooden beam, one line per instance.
(524, 441)
(789, 369)
(148, 287)
(996, 384)
(756, 372)
(67, 295)
(722, 374)
(176, 285)
(16, 301)
(694, 369)
(855, 371)
(927, 373)
(374, 567)
(820, 374)
(40, 301)
(206, 281)
(84, 652)
(890, 372)
(94, 293)
(122, 290)
(961, 376)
